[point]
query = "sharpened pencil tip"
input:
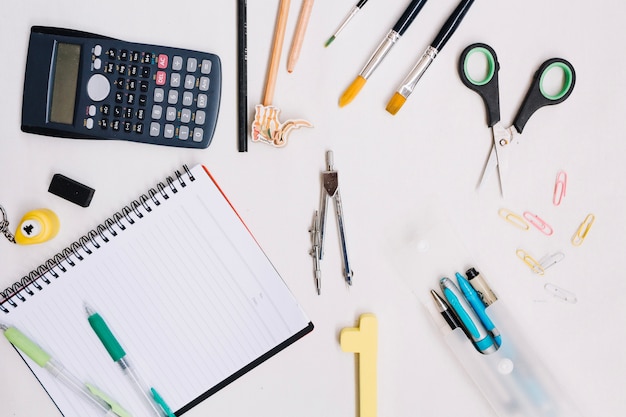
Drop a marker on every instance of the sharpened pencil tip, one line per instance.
(396, 102)
(329, 41)
(352, 91)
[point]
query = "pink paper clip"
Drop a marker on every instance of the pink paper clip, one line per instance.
(560, 187)
(539, 223)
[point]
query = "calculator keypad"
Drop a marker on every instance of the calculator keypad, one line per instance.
(152, 97)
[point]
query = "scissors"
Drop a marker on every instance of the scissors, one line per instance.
(536, 97)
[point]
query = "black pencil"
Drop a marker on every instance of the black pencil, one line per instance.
(242, 72)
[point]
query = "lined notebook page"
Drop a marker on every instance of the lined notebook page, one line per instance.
(187, 291)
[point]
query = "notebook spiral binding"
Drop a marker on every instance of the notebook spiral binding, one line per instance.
(38, 278)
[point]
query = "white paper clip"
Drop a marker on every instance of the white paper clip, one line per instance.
(539, 223)
(549, 260)
(560, 293)
(583, 229)
(560, 187)
(531, 262)
(513, 218)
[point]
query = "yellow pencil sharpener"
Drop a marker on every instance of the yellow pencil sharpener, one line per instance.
(37, 226)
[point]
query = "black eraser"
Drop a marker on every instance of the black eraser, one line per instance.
(71, 190)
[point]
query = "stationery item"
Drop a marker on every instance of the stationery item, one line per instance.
(582, 231)
(560, 188)
(513, 218)
(363, 340)
(4, 226)
(189, 290)
(479, 307)
(355, 9)
(481, 339)
(266, 126)
(117, 353)
(37, 226)
(479, 284)
(411, 80)
(95, 397)
(298, 38)
(531, 262)
(539, 223)
(549, 260)
(560, 293)
(315, 252)
(446, 312)
(383, 49)
(536, 97)
(330, 189)
(71, 190)
(242, 75)
(88, 86)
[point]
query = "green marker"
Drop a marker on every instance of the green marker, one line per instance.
(117, 353)
(96, 397)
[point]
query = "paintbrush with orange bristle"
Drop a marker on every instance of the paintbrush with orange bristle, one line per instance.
(385, 46)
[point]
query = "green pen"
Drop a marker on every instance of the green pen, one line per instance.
(117, 353)
(95, 396)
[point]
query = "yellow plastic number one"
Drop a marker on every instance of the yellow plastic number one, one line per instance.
(363, 340)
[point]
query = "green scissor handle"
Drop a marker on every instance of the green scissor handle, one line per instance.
(537, 96)
(487, 88)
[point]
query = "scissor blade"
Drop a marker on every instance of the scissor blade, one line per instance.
(490, 167)
(501, 145)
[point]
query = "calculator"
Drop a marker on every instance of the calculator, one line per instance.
(87, 86)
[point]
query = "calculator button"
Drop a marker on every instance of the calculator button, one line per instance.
(183, 133)
(109, 68)
(112, 53)
(162, 61)
(192, 64)
(128, 113)
(202, 101)
(144, 86)
(155, 129)
(198, 133)
(204, 83)
(128, 127)
(145, 72)
(161, 78)
(134, 56)
(123, 55)
(89, 123)
(104, 123)
(170, 114)
(175, 80)
(185, 116)
(133, 70)
(187, 98)
(157, 111)
(117, 111)
(206, 66)
(97, 63)
(120, 83)
(190, 81)
(200, 117)
(98, 87)
(119, 97)
(143, 99)
(159, 95)
(168, 131)
(91, 110)
(177, 63)
(147, 58)
(97, 50)
(105, 110)
(130, 99)
(172, 97)
(115, 125)
(141, 114)
(139, 128)
(121, 69)
(132, 85)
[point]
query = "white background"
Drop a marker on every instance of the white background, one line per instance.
(395, 172)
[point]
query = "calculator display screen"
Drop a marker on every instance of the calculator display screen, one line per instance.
(64, 83)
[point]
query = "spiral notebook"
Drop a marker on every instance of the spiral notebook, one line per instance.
(182, 283)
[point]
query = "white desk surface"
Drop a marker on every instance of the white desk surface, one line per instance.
(392, 171)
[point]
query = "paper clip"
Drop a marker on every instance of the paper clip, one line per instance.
(513, 218)
(583, 229)
(530, 261)
(560, 293)
(560, 187)
(539, 223)
(549, 260)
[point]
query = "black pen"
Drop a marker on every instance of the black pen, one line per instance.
(409, 82)
(385, 46)
(446, 312)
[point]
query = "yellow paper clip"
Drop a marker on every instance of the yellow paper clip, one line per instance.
(532, 263)
(560, 187)
(583, 229)
(539, 223)
(513, 218)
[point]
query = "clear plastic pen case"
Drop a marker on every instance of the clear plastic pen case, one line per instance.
(513, 379)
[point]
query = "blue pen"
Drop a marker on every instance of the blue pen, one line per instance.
(480, 336)
(479, 307)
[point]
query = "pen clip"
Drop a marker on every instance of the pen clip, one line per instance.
(117, 409)
(159, 400)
